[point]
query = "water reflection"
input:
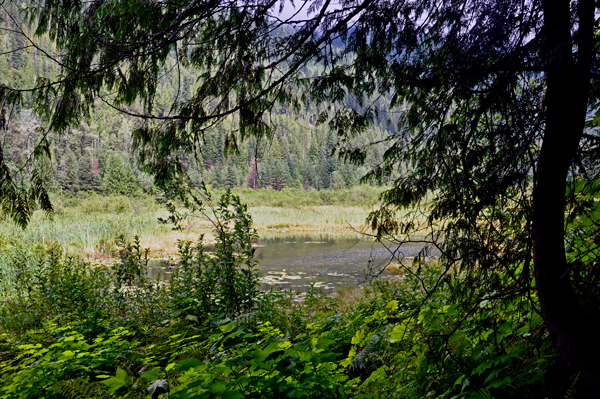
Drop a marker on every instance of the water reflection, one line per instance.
(295, 261)
(327, 261)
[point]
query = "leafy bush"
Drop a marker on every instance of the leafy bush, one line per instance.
(69, 367)
(262, 365)
(46, 286)
(224, 281)
(387, 344)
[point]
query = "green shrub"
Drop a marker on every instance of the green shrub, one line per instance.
(72, 366)
(265, 366)
(365, 196)
(71, 330)
(389, 343)
(44, 286)
(224, 281)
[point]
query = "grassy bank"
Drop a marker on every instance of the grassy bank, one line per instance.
(309, 218)
(90, 225)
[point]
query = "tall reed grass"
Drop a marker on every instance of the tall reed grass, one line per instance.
(90, 225)
(309, 218)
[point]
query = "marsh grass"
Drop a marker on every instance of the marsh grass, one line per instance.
(310, 218)
(91, 225)
(84, 233)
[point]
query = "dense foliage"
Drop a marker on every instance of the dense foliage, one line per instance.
(498, 105)
(68, 330)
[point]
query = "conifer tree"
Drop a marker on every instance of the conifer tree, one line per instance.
(119, 178)
(266, 175)
(69, 177)
(87, 178)
(232, 176)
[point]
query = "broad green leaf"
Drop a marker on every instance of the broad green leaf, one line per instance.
(217, 387)
(232, 395)
(358, 337)
(171, 366)
(120, 380)
(151, 375)
(392, 305)
(187, 364)
(398, 332)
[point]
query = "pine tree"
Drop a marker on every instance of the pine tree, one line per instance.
(294, 174)
(119, 178)
(266, 176)
(87, 178)
(232, 176)
(285, 177)
(276, 150)
(70, 171)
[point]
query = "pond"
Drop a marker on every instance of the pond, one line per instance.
(324, 261)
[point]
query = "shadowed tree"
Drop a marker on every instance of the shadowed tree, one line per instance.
(495, 97)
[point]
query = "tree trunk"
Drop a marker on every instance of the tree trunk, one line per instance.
(568, 87)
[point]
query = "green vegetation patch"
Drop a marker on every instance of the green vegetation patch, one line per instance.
(71, 330)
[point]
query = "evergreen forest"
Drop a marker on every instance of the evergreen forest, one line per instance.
(98, 155)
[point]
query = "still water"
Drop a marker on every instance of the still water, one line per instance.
(325, 261)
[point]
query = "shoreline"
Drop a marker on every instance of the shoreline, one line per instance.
(93, 229)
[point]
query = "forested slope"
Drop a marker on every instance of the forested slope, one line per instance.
(99, 154)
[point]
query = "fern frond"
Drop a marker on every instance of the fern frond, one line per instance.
(570, 394)
(79, 388)
(360, 361)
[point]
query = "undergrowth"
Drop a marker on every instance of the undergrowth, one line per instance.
(68, 330)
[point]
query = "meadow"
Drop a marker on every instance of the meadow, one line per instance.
(92, 225)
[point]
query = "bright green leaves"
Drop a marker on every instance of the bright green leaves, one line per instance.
(120, 380)
(186, 365)
(70, 362)
(398, 332)
(218, 387)
(438, 346)
(385, 344)
(267, 368)
(582, 225)
(151, 375)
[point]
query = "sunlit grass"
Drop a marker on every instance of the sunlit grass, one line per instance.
(91, 227)
(309, 218)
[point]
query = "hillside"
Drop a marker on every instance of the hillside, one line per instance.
(99, 155)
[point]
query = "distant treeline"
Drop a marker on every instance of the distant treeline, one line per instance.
(98, 155)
